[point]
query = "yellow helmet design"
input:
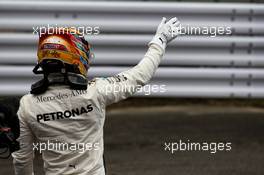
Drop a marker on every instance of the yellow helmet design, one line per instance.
(65, 45)
(64, 57)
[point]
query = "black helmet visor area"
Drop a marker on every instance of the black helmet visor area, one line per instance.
(49, 66)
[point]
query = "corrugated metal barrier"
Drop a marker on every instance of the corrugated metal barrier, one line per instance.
(194, 65)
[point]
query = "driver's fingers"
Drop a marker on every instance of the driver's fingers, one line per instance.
(176, 24)
(172, 21)
(163, 21)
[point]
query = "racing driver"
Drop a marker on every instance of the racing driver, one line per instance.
(64, 114)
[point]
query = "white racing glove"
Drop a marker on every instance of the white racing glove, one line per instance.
(166, 32)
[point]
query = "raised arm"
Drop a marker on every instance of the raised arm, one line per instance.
(125, 84)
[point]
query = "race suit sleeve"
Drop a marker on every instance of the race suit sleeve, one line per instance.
(23, 158)
(125, 84)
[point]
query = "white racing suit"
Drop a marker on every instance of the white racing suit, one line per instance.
(67, 125)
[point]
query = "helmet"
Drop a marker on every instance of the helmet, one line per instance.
(64, 57)
(66, 45)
